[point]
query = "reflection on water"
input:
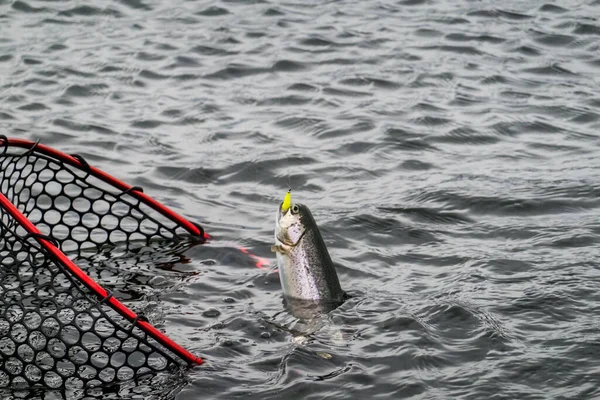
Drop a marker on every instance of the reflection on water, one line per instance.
(308, 309)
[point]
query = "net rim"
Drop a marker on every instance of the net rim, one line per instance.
(134, 191)
(58, 256)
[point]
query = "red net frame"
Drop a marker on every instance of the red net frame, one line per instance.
(51, 312)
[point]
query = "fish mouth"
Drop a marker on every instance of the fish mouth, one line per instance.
(284, 209)
(282, 237)
(287, 242)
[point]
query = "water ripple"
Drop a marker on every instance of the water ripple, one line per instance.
(450, 161)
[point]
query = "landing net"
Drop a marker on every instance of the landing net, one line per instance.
(58, 327)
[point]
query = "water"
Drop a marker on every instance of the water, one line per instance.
(448, 151)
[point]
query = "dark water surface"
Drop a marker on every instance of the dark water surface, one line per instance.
(448, 150)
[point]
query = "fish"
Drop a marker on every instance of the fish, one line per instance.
(309, 281)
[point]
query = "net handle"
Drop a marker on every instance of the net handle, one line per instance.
(133, 191)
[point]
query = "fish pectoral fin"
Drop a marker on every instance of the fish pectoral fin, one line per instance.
(279, 249)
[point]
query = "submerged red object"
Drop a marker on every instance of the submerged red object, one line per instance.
(58, 327)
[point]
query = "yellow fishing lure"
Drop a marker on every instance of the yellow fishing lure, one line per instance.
(287, 201)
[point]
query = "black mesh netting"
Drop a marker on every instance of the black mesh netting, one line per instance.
(54, 330)
(76, 208)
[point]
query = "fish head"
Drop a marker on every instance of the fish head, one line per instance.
(292, 222)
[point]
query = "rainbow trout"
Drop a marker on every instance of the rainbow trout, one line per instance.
(305, 268)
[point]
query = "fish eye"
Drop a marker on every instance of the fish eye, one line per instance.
(295, 209)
